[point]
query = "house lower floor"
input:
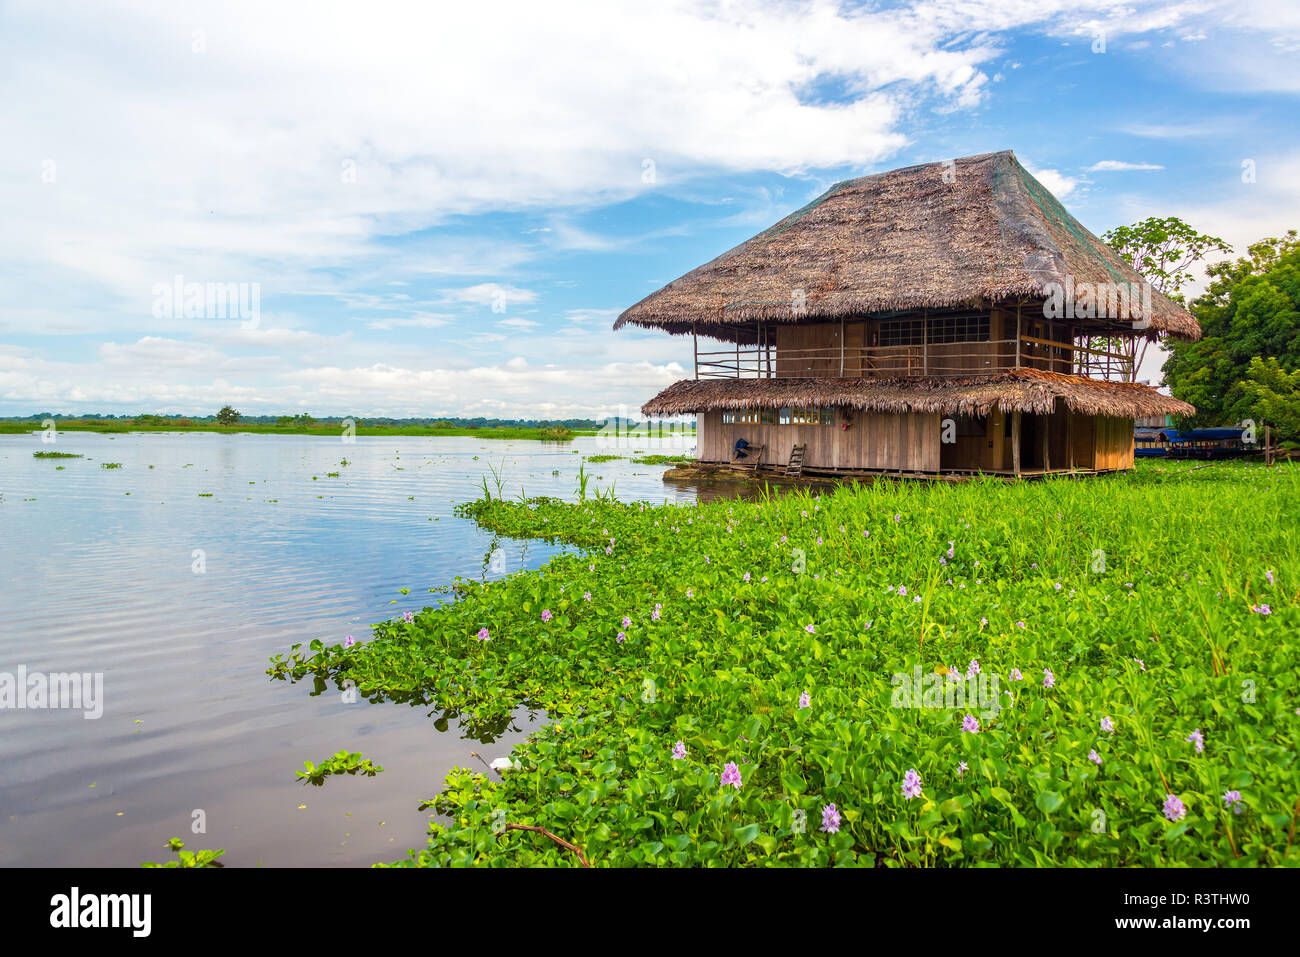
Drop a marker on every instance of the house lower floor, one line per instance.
(842, 439)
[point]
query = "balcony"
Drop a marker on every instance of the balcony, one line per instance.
(965, 359)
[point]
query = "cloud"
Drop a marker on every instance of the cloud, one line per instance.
(1112, 166)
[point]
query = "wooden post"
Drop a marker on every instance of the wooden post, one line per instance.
(1017, 342)
(1046, 442)
(1268, 445)
(1069, 438)
(1015, 431)
(758, 348)
(925, 342)
(695, 347)
(841, 347)
(737, 352)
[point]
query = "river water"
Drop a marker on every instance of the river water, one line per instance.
(178, 575)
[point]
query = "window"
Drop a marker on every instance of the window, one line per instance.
(900, 332)
(769, 416)
(728, 417)
(914, 332)
(746, 416)
(816, 415)
(973, 328)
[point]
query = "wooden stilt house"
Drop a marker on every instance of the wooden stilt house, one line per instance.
(949, 317)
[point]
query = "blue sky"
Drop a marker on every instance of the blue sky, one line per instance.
(444, 209)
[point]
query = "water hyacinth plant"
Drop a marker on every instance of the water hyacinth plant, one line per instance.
(695, 742)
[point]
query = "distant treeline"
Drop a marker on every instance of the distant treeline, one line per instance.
(439, 422)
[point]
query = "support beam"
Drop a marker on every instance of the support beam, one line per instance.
(841, 347)
(1015, 442)
(695, 347)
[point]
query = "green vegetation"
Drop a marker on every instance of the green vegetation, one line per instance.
(1245, 362)
(343, 762)
(604, 458)
(295, 425)
(110, 465)
(227, 416)
(717, 676)
(664, 459)
(188, 858)
(57, 455)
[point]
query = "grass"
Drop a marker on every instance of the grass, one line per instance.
(57, 455)
(332, 429)
(1162, 602)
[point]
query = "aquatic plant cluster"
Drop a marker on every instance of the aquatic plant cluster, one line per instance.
(722, 680)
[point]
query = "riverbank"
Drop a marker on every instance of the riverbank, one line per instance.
(777, 682)
(332, 429)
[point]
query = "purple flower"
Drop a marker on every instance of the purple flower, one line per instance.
(349, 641)
(482, 634)
(911, 784)
(1049, 679)
(902, 590)
(731, 775)
(408, 617)
(950, 548)
(1108, 725)
(679, 752)
(1094, 757)
(654, 615)
(973, 668)
(1141, 664)
(830, 819)
(805, 701)
(586, 596)
(962, 768)
(746, 576)
(1232, 799)
(1261, 609)
(970, 725)
(810, 629)
(983, 622)
(1174, 808)
(1020, 624)
(1016, 675)
(621, 638)
(627, 622)
(546, 614)
(690, 593)
(1269, 575)
(1197, 739)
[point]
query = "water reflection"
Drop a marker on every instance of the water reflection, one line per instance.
(300, 538)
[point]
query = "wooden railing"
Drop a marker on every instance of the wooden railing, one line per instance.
(926, 359)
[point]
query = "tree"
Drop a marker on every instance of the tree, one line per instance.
(227, 416)
(1163, 251)
(1275, 394)
(1250, 311)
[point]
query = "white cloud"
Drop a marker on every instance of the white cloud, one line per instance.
(1113, 166)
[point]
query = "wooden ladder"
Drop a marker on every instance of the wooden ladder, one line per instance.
(795, 465)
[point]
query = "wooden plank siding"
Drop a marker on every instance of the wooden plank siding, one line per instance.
(908, 443)
(911, 442)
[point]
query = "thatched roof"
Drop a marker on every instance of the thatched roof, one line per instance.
(936, 236)
(1015, 390)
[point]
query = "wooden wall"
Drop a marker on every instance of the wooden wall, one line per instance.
(908, 442)
(911, 442)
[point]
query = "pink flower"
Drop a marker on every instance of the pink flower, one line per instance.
(1197, 739)
(482, 634)
(349, 641)
(408, 617)
(1261, 609)
(731, 775)
(804, 700)
(546, 614)
(1108, 725)
(1094, 757)
(1016, 675)
(969, 725)
(621, 638)
(810, 629)
(1049, 679)
(830, 819)
(911, 784)
(679, 752)
(1174, 808)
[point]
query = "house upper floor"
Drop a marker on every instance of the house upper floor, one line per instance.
(969, 342)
